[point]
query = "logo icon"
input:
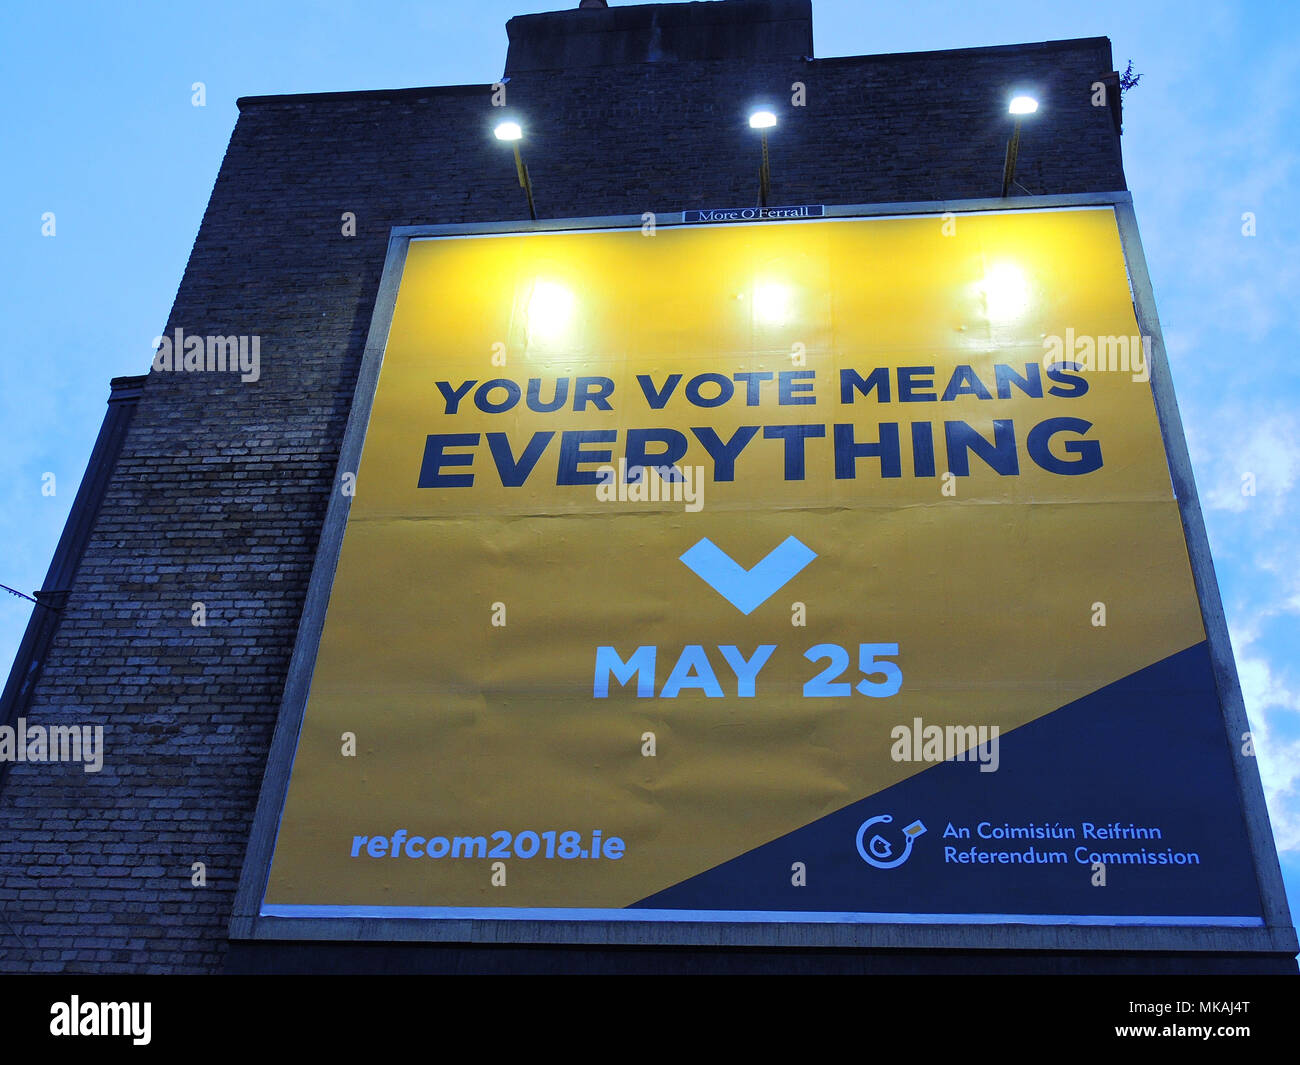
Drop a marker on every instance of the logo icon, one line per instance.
(748, 589)
(878, 851)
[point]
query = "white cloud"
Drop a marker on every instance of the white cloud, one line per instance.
(1265, 447)
(1274, 710)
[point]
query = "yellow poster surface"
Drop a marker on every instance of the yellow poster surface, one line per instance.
(661, 543)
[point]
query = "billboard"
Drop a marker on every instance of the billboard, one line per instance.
(823, 571)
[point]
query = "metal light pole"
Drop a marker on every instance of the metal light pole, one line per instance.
(510, 131)
(763, 121)
(1020, 106)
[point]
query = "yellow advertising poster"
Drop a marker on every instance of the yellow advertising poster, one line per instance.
(821, 570)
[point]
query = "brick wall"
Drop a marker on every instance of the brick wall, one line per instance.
(221, 487)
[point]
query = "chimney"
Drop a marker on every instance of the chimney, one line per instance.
(595, 35)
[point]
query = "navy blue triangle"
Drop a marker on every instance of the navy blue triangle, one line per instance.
(1149, 751)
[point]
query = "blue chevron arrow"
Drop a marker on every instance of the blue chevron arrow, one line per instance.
(747, 589)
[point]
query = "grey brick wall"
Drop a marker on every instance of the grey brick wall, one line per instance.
(221, 487)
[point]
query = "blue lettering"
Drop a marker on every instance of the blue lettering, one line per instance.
(923, 449)
(571, 454)
(487, 406)
(1040, 438)
(1032, 385)
(724, 455)
(658, 399)
(641, 665)
(851, 381)
(515, 473)
(794, 437)
(793, 386)
(847, 452)
(908, 382)
(453, 397)
(752, 382)
(692, 671)
(999, 455)
(534, 395)
(1079, 385)
(725, 389)
(638, 457)
(434, 459)
(593, 390)
(965, 382)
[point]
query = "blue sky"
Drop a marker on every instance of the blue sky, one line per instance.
(99, 128)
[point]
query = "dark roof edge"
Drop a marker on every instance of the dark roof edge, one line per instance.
(353, 94)
(60, 578)
(1035, 46)
(245, 102)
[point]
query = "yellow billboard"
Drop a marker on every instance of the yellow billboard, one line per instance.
(823, 570)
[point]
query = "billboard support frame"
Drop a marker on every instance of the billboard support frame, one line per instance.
(925, 932)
